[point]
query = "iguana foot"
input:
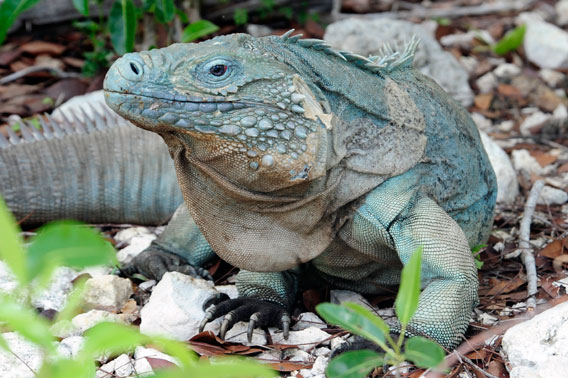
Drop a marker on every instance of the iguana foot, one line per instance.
(358, 343)
(258, 313)
(154, 263)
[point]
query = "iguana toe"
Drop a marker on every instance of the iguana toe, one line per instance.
(153, 263)
(258, 313)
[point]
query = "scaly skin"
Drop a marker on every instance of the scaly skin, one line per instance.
(288, 152)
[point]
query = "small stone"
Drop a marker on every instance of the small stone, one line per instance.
(238, 334)
(248, 121)
(308, 319)
(534, 120)
(143, 352)
(305, 339)
(109, 293)
(507, 184)
(560, 114)
(30, 356)
(546, 45)
(137, 238)
(523, 161)
(553, 78)
(175, 306)
(562, 13)
(70, 346)
(487, 83)
(483, 123)
(552, 196)
(83, 322)
(297, 355)
(507, 71)
(342, 296)
(506, 126)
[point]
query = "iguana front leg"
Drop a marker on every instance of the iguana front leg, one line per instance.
(449, 276)
(264, 300)
(180, 248)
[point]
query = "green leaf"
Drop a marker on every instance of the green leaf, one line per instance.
(3, 344)
(423, 352)
(122, 26)
(111, 338)
(226, 367)
(407, 298)
(177, 349)
(82, 6)
(70, 244)
(354, 364)
(64, 368)
(182, 16)
(164, 11)
(352, 321)
(511, 41)
(197, 30)
(26, 322)
(74, 301)
(369, 315)
(9, 12)
(11, 251)
(240, 16)
(147, 5)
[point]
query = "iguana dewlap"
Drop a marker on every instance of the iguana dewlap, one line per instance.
(288, 152)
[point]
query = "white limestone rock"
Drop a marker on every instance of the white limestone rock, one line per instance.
(507, 71)
(546, 45)
(483, 123)
(366, 37)
(70, 346)
(137, 238)
(28, 354)
(318, 369)
(238, 334)
(82, 322)
(562, 13)
(487, 83)
(108, 293)
(55, 295)
(507, 184)
(305, 339)
(298, 355)
(122, 366)
(175, 306)
(523, 161)
(143, 352)
(534, 120)
(308, 319)
(537, 347)
(342, 296)
(551, 77)
(552, 196)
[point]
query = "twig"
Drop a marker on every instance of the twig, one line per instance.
(453, 12)
(524, 244)
(462, 358)
(29, 70)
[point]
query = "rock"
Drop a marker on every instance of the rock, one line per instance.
(534, 120)
(506, 126)
(523, 161)
(143, 368)
(483, 123)
(122, 366)
(108, 293)
(487, 83)
(143, 352)
(54, 296)
(553, 78)
(318, 369)
(70, 346)
(147, 285)
(308, 319)
(546, 45)
(507, 71)
(230, 290)
(537, 347)
(305, 339)
(342, 296)
(29, 357)
(366, 37)
(562, 13)
(297, 355)
(238, 334)
(137, 238)
(507, 184)
(560, 114)
(175, 306)
(82, 322)
(270, 356)
(552, 196)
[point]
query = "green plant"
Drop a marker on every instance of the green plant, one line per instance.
(361, 321)
(476, 250)
(510, 41)
(76, 245)
(9, 12)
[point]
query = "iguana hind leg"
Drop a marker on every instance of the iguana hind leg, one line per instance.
(180, 248)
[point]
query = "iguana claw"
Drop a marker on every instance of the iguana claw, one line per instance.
(257, 312)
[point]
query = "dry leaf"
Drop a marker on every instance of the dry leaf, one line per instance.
(483, 101)
(555, 248)
(42, 47)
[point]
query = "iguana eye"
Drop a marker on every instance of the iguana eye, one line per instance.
(218, 70)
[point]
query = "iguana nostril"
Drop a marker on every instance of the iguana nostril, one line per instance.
(134, 68)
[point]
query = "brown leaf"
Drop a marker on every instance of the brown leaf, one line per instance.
(64, 89)
(504, 286)
(549, 288)
(497, 369)
(543, 158)
(42, 47)
(13, 90)
(130, 307)
(477, 355)
(207, 349)
(559, 263)
(73, 62)
(508, 90)
(555, 248)
(159, 363)
(563, 168)
(7, 57)
(483, 101)
(288, 366)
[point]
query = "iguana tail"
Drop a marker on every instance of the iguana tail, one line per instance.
(97, 169)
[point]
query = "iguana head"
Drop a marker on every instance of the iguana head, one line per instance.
(229, 103)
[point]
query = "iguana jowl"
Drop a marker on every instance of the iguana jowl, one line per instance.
(288, 152)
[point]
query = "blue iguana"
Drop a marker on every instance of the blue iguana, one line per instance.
(294, 158)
